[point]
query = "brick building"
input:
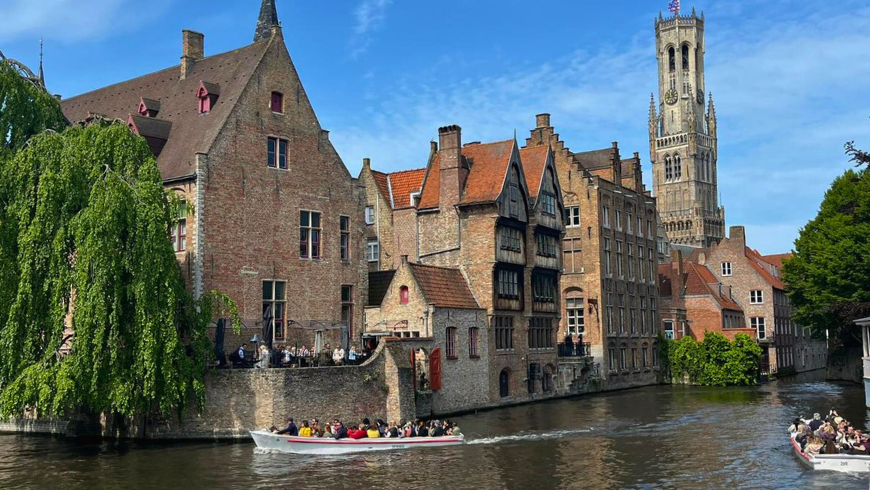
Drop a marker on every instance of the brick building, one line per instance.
(390, 214)
(753, 283)
(609, 280)
(435, 307)
(274, 219)
(693, 302)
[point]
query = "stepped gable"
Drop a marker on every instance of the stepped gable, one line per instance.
(191, 132)
(403, 183)
(446, 288)
(534, 162)
(379, 284)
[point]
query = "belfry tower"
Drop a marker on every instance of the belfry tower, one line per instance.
(682, 136)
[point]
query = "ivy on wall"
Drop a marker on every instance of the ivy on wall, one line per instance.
(714, 362)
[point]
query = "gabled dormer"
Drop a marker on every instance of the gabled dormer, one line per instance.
(148, 107)
(155, 131)
(207, 94)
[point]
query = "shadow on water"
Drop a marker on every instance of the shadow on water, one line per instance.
(655, 437)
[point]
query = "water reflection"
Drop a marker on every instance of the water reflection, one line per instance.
(659, 437)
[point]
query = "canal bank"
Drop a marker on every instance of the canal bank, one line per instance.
(655, 437)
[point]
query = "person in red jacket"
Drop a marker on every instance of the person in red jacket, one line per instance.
(359, 433)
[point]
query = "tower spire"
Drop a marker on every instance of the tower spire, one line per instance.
(267, 20)
(41, 72)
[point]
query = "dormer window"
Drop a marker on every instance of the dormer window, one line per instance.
(148, 107)
(207, 93)
(277, 103)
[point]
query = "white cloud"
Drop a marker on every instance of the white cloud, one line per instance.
(789, 92)
(370, 16)
(73, 20)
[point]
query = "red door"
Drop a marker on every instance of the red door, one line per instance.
(435, 369)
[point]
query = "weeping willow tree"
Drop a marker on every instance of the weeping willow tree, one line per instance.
(94, 313)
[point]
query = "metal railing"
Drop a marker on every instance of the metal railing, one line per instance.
(575, 350)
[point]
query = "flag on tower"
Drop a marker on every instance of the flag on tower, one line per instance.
(674, 6)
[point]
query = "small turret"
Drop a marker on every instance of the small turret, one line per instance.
(711, 117)
(267, 21)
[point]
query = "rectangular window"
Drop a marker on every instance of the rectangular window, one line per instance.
(607, 266)
(756, 297)
(344, 226)
(644, 356)
(655, 355)
(640, 226)
(606, 217)
(643, 315)
(632, 320)
(370, 215)
(571, 250)
(544, 288)
(514, 208)
(757, 322)
(277, 103)
(472, 342)
(611, 355)
(546, 245)
(274, 304)
(511, 239)
(610, 327)
(178, 231)
(640, 264)
(573, 220)
(347, 309)
(277, 153)
(634, 358)
(540, 333)
(652, 267)
(450, 346)
(619, 272)
(619, 220)
(309, 234)
(726, 268)
(373, 250)
(628, 223)
(574, 312)
(669, 329)
(548, 206)
(622, 358)
(621, 305)
(508, 284)
(649, 232)
(630, 262)
(504, 332)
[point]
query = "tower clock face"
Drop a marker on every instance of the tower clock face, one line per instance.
(700, 96)
(671, 96)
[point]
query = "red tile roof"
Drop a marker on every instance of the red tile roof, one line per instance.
(700, 281)
(443, 287)
(381, 182)
(763, 268)
(534, 161)
(776, 259)
(488, 168)
(403, 183)
(191, 132)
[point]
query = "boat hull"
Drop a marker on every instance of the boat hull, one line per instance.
(326, 446)
(847, 463)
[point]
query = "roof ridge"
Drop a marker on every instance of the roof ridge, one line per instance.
(404, 171)
(417, 264)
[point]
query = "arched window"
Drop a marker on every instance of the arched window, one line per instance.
(685, 57)
(669, 169)
(403, 295)
(504, 383)
(671, 61)
(678, 168)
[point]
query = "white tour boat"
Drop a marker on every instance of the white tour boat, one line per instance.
(834, 462)
(327, 445)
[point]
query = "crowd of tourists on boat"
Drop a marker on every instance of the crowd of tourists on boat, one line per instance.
(368, 430)
(831, 435)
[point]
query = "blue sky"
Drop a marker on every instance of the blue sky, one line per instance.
(790, 78)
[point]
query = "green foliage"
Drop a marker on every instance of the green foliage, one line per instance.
(84, 221)
(716, 361)
(828, 276)
(24, 110)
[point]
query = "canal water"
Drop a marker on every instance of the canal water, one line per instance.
(655, 437)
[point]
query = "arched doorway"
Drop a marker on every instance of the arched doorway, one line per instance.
(504, 383)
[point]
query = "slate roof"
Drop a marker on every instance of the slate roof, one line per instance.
(595, 159)
(191, 132)
(534, 161)
(488, 164)
(379, 284)
(443, 287)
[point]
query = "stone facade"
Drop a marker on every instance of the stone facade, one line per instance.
(609, 259)
(683, 139)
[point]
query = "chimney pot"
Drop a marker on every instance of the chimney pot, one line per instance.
(543, 120)
(450, 137)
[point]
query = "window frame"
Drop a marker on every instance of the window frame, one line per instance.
(573, 220)
(726, 269)
(347, 304)
(576, 322)
(473, 342)
(756, 299)
(276, 153)
(404, 295)
(504, 333)
(666, 330)
(344, 243)
(277, 317)
(373, 245)
(370, 215)
(279, 97)
(450, 343)
(313, 239)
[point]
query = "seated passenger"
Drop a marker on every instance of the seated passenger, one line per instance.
(814, 445)
(436, 430)
(816, 422)
(372, 432)
(358, 433)
(339, 431)
(305, 430)
(422, 431)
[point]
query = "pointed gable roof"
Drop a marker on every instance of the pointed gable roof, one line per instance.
(762, 267)
(700, 281)
(534, 164)
(380, 179)
(402, 184)
(191, 132)
(446, 288)
(776, 259)
(489, 167)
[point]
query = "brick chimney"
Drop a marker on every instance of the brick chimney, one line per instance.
(677, 262)
(192, 49)
(738, 234)
(450, 155)
(542, 120)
